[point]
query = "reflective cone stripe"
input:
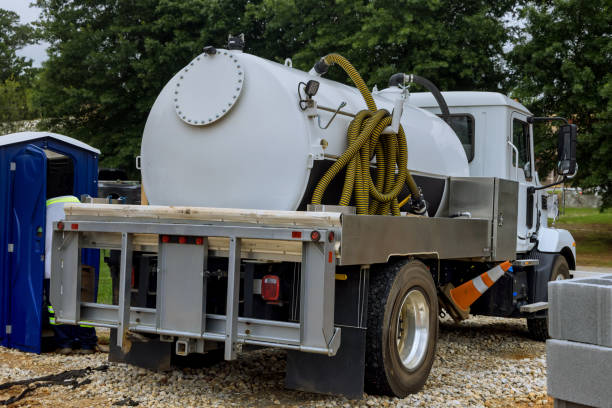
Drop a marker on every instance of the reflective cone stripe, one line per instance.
(465, 294)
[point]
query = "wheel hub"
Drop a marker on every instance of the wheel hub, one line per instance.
(413, 329)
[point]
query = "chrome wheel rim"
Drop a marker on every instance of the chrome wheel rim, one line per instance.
(412, 329)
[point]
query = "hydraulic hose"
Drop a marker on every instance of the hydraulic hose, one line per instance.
(401, 79)
(364, 142)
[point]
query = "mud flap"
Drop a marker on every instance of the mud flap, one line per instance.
(343, 373)
(153, 354)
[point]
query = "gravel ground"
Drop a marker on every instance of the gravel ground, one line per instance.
(482, 362)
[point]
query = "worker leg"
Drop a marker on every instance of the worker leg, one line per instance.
(87, 337)
(64, 335)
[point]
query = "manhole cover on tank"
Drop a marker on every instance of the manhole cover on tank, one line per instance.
(208, 88)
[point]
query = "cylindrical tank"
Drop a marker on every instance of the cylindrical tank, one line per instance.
(228, 131)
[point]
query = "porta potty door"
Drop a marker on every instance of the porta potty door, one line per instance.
(26, 270)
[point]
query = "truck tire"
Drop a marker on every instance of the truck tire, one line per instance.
(538, 326)
(402, 328)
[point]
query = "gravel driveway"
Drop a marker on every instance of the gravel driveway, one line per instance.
(482, 362)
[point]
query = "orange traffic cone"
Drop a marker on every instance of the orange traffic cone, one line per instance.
(462, 297)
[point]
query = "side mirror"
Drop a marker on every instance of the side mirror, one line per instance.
(566, 151)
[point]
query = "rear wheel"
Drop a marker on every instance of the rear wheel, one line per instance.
(402, 328)
(538, 326)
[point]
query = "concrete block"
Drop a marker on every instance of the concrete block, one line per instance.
(579, 373)
(581, 310)
(566, 404)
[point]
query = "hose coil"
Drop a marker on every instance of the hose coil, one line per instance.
(379, 197)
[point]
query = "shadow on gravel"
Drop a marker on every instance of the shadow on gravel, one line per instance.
(516, 328)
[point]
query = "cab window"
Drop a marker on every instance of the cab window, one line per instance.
(463, 125)
(520, 139)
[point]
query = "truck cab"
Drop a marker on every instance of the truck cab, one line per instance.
(498, 140)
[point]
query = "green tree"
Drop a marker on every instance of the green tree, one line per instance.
(16, 73)
(13, 36)
(561, 66)
(108, 60)
(458, 45)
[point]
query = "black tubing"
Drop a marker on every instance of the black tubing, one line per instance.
(401, 78)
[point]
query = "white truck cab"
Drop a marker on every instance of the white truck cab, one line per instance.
(498, 141)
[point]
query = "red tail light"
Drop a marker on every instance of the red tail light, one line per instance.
(165, 239)
(270, 288)
(182, 240)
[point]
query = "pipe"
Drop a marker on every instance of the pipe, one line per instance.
(402, 79)
(365, 141)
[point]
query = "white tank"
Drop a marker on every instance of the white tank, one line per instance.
(227, 131)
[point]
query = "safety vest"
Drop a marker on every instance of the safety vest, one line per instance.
(62, 199)
(50, 202)
(52, 318)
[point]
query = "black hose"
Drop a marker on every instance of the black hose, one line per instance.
(401, 78)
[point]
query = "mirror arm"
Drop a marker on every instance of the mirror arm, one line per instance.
(533, 189)
(533, 119)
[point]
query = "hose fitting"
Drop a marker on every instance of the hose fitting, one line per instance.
(321, 67)
(418, 205)
(403, 79)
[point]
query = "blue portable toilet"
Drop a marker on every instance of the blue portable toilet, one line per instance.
(34, 166)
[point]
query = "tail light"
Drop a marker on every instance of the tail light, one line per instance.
(270, 288)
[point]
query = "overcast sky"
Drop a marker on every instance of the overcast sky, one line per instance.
(27, 14)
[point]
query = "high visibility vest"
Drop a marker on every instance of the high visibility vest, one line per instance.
(50, 204)
(52, 318)
(55, 212)
(62, 199)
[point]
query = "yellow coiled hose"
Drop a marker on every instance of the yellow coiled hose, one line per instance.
(364, 142)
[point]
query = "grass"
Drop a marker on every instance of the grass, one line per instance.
(586, 216)
(592, 231)
(105, 286)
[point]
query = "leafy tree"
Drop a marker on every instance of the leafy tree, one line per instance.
(13, 36)
(561, 67)
(458, 45)
(16, 73)
(109, 59)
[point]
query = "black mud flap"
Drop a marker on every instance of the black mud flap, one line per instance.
(339, 375)
(153, 354)
(342, 374)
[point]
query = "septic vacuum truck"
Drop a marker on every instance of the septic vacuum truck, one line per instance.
(338, 223)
